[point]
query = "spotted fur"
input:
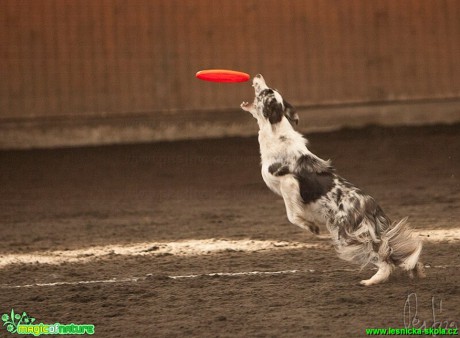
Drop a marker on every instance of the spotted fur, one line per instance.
(315, 195)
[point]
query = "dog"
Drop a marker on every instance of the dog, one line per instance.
(314, 194)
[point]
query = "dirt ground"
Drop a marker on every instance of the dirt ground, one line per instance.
(71, 199)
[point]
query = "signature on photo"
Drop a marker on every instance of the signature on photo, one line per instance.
(412, 319)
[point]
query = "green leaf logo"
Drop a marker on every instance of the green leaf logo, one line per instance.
(13, 320)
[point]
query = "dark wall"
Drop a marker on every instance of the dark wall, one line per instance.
(103, 57)
(79, 72)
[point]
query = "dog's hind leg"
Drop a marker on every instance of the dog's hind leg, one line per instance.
(418, 271)
(384, 271)
(294, 206)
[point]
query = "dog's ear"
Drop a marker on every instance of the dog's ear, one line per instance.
(274, 111)
(290, 113)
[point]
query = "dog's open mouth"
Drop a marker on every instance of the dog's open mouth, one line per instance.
(258, 83)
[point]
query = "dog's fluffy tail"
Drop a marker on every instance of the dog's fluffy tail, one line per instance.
(400, 246)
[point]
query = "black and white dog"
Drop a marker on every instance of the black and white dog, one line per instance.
(314, 194)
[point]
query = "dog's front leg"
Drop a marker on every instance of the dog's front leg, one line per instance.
(294, 206)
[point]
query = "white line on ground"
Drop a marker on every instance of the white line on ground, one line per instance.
(215, 274)
(188, 248)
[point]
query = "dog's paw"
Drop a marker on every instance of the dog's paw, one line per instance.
(246, 106)
(366, 282)
(421, 274)
(418, 270)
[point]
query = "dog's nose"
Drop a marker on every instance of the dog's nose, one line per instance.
(258, 83)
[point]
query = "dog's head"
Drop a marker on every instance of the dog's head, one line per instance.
(269, 106)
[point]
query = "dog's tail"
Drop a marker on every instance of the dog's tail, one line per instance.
(401, 247)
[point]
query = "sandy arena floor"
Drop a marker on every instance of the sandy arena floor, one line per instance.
(184, 239)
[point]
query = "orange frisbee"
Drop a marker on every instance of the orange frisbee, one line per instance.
(222, 75)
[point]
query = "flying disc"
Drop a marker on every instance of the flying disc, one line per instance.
(222, 75)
